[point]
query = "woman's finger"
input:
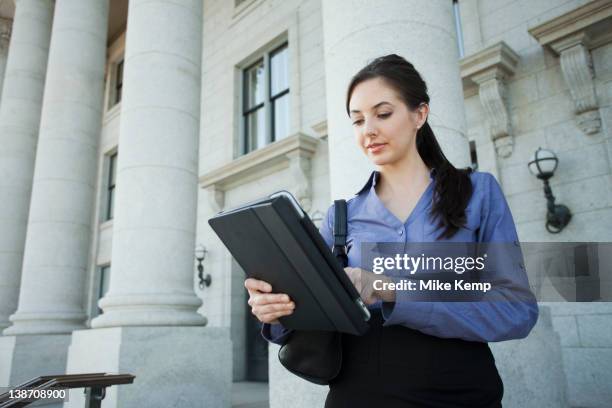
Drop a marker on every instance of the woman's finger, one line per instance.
(260, 310)
(257, 285)
(264, 299)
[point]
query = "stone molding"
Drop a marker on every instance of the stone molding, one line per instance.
(321, 129)
(294, 153)
(572, 36)
(487, 70)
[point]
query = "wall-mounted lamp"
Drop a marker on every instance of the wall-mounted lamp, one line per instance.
(543, 164)
(200, 254)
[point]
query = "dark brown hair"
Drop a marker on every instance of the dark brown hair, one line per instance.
(453, 188)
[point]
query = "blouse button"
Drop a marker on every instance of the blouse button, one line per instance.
(400, 231)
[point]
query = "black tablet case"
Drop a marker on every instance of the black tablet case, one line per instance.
(273, 242)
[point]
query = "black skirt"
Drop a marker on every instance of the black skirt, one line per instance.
(399, 367)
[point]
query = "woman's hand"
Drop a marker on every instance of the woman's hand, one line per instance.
(364, 283)
(266, 306)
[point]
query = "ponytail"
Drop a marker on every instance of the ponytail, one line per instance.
(453, 187)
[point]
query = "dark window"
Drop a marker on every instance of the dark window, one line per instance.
(103, 283)
(110, 189)
(119, 82)
(266, 100)
(473, 155)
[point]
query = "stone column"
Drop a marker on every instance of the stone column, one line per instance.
(357, 31)
(59, 226)
(151, 306)
(155, 208)
(20, 108)
(5, 36)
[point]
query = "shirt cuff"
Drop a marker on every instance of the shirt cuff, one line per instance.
(407, 312)
(275, 333)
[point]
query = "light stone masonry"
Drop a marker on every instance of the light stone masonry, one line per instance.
(57, 245)
(155, 217)
(20, 109)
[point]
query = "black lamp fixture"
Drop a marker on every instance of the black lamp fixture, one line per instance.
(200, 254)
(543, 164)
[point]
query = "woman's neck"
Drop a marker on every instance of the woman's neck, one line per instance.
(404, 177)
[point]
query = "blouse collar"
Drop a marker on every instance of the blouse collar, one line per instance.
(375, 177)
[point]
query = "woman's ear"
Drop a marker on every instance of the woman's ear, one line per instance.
(422, 113)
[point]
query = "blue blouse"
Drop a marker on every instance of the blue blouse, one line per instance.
(488, 220)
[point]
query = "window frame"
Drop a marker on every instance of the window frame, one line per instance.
(111, 183)
(268, 103)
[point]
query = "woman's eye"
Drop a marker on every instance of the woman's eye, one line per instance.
(358, 122)
(384, 115)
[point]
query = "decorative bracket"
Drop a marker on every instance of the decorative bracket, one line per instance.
(572, 36)
(577, 68)
(293, 153)
(488, 70)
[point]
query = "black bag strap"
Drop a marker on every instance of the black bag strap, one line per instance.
(340, 231)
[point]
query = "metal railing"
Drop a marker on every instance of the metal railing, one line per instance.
(95, 385)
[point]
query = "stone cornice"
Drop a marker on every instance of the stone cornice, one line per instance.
(589, 17)
(571, 36)
(498, 58)
(487, 71)
(293, 153)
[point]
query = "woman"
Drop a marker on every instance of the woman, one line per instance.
(416, 354)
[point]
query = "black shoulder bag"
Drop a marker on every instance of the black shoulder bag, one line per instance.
(316, 356)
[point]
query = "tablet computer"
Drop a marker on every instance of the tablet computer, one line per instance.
(274, 240)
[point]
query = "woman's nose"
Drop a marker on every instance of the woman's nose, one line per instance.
(370, 129)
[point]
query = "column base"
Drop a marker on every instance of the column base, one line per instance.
(174, 366)
(522, 362)
(29, 356)
(41, 323)
(149, 310)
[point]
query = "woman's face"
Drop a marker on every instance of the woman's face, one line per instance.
(385, 129)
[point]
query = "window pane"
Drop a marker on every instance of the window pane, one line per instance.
(256, 130)
(254, 82)
(111, 204)
(279, 71)
(110, 188)
(281, 117)
(112, 169)
(104, 283)
(119, 82)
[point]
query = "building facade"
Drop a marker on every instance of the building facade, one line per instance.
(125, 125)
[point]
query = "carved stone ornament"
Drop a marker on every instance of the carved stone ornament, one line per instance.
(488, 70)
(572, 36)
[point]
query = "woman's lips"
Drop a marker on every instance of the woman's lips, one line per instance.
(376, 147)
